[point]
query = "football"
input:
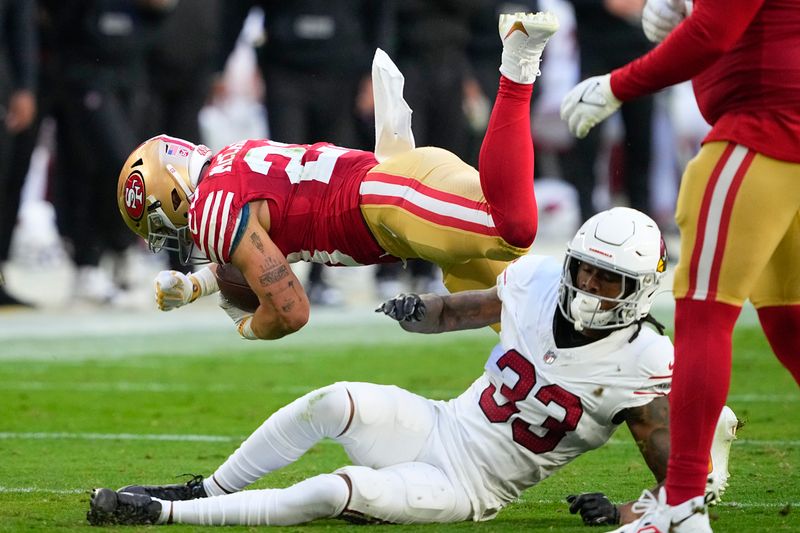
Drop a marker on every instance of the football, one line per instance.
(234, 287)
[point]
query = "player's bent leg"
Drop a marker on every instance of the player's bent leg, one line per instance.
(404, 494)
(505, 165)
(389, 425)
(285, 436)
(428, 204)
(506, 156)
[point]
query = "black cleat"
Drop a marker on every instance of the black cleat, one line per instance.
(191, 490)
(109, 507)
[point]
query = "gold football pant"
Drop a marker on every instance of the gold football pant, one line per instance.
(739, 217)
(428, 204)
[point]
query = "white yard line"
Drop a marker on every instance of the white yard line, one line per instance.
(115, 436)
(39, 490)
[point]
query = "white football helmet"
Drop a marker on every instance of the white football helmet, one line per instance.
(623, 241)
(154, 190)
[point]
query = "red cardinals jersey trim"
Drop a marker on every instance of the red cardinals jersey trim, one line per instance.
(712, 230)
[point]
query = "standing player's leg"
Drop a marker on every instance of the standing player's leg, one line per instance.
(731, 224)
(777, 298)
(506, 157)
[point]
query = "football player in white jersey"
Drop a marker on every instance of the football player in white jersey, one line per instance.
(572, 364)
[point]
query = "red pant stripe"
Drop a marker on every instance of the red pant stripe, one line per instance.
(725, 221)
(426, 190)
(430, 216)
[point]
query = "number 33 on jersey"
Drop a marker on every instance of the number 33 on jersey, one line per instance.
(545, 405)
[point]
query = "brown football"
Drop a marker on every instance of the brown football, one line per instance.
(235, 288)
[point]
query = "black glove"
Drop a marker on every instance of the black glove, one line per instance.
(404, 307)
(595, 508)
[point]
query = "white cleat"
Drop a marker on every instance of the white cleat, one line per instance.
(718, 473)
(524, 37)
(689, 517)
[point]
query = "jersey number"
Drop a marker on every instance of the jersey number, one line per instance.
(521, 429)
(261, 158)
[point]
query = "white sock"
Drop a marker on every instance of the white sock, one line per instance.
(323, 496)
(283, 438)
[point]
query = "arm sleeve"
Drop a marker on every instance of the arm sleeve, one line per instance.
(24, 45)
(710, 31)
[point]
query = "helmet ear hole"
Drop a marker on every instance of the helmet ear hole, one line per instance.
(176, 199)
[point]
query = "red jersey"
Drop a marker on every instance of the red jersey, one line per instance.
(312, 193)
(743, 57)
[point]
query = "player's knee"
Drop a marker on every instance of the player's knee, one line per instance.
(328, 409)
(520, 233)
(373, 493)
(325, 494)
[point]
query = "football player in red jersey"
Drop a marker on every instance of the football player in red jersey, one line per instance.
(738, 208)
(261, 204)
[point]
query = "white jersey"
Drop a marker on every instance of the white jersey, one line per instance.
(538, 406)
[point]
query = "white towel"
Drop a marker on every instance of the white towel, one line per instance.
(393, 133)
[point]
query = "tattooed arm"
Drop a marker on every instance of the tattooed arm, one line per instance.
(649, 425)
(284, 306)
(462, 310)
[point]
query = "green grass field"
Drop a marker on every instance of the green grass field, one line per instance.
(107, 410)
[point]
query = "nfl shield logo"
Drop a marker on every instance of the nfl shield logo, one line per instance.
(549, 357)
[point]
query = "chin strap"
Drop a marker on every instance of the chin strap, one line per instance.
(650, 319)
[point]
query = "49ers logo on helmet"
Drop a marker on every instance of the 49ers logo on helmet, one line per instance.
(134, 196)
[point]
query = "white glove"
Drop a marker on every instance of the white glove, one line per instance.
(660, 17)
(175, 289)
(242, 319)
(588, 104)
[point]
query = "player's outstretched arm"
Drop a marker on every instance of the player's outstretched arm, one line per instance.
(283, 304)
(432, 313)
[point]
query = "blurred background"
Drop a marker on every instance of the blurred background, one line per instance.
(84, 82)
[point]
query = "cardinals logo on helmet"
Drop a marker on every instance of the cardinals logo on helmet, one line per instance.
(662, 260)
